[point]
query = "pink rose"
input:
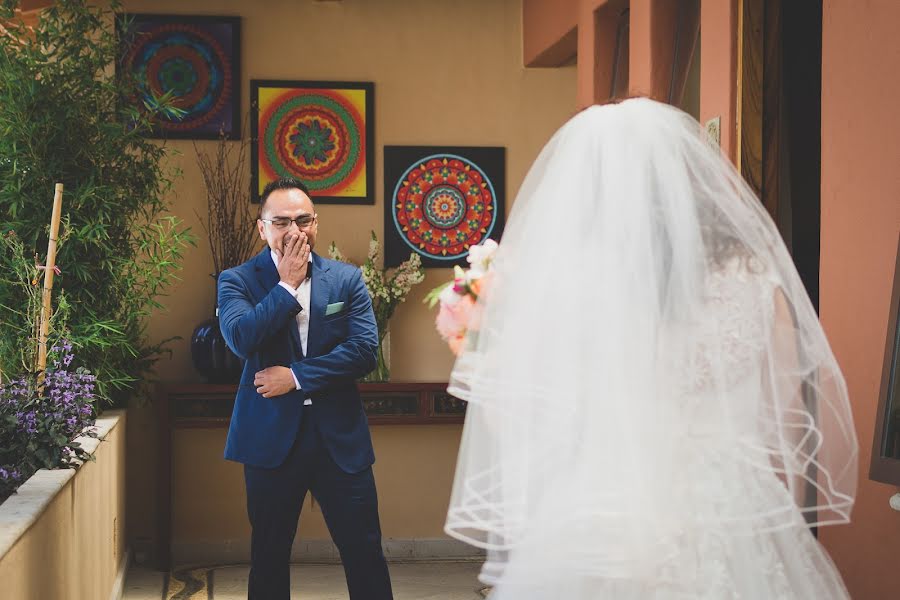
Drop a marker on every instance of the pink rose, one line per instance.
(456, 344)
(453, 320)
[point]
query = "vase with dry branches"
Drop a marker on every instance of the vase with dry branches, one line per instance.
(232, 241)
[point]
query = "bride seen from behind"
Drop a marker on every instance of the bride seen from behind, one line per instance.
(654, 410)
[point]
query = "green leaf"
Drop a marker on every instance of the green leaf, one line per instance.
(64, 117)
(432, 297)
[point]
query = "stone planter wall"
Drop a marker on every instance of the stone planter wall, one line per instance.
(62, 534)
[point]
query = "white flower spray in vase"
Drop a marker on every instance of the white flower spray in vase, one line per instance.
(387, 291)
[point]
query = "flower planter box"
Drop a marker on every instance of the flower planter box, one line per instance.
(62, 535)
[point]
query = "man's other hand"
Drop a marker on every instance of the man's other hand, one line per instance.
(274, 381)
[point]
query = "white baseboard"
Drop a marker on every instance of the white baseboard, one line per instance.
(323, 551)
(119, 584)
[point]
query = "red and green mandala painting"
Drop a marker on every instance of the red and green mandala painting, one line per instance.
(317, 132)
(441, 200)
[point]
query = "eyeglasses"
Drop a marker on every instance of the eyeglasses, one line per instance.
(303, 221)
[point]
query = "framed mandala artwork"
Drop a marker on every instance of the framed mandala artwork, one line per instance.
(197, 59)
(440, 200)
(320, 132)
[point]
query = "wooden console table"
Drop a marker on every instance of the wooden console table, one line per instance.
(204, 406)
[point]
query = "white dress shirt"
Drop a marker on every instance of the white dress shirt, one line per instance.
(301, 294)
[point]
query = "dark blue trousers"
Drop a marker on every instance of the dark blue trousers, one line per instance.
(350, 507)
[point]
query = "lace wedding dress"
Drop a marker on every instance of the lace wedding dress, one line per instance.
(660, 416)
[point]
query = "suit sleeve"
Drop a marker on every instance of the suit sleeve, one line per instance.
(247, 326)
(350, 359)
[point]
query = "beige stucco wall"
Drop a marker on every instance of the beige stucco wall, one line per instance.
(414, 472)
(445, 72)
(75, 549)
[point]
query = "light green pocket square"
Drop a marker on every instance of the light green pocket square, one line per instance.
(334, 308)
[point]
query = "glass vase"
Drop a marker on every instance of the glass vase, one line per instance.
(382, 371)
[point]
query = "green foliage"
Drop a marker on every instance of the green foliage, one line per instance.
(434, 296)
(65, 117)
(22, 277)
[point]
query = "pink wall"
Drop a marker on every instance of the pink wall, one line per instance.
(545, 25)
(718, 68)
(548, 27)
(860, 224)
(652, 37)
(597, 24)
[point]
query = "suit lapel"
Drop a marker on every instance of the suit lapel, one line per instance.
(319, 294)
(266, 273)
(296, 345)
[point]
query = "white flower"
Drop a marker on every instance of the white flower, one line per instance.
(448, 296)
(335, 253)
(386, 292)
(480, 257)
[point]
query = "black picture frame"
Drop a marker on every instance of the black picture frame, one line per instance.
(222, 38)
(265, 96)
(885, 462)
(487, 163)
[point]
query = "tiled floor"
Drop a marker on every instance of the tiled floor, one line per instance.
(411, 581)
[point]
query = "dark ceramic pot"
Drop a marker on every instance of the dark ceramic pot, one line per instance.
(211, 356)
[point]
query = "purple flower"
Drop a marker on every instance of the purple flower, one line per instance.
(33, 418)
(30, 422)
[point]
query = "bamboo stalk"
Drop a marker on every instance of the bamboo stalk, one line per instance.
(48, 280)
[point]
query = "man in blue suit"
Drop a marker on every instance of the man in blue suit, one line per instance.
(305, 327)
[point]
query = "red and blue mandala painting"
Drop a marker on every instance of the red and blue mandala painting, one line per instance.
(194, 58)
(440, 201)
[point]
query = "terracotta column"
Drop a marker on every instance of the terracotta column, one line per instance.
(549, 31)
(718, 68)
(652, 47)
(597, 28)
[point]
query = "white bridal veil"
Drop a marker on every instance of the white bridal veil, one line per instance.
(649, 381)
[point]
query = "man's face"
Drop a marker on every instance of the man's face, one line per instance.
(282, 205)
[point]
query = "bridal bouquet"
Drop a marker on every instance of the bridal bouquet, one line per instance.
(458, 314)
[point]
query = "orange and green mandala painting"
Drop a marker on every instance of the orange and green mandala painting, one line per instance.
(317, 132)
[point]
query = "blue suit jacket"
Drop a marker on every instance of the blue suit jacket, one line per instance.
(257, 317)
